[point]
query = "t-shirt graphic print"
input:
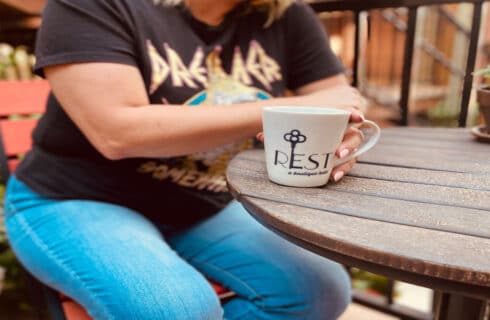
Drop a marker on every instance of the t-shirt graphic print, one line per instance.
(205, 171)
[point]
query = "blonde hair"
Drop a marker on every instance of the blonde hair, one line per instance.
(274, 8)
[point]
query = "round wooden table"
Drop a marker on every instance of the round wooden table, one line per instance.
(415, 208)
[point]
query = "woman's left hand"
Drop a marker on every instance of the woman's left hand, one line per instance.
(353, 138)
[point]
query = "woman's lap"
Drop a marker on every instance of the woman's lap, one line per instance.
(115, 262)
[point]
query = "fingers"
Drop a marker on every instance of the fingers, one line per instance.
(352, 140)
(359, 106)
(355, 100)
(356, 116)
(340, 171)
(260, 136)
(360, 103)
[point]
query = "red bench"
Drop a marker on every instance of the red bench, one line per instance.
(20, 103)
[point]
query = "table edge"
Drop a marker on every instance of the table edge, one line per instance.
(429, 278)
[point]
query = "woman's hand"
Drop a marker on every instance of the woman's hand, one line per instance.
(340, 97)
(352, 140)
(347, 98)
(335, 92)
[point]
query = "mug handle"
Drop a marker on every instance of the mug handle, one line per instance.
(366, 146)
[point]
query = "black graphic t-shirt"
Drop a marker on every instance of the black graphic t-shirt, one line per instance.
(182, 61)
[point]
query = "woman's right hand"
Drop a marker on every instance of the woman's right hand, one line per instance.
(340, 97)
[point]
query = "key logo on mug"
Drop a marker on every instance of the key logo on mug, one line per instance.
(308, 164)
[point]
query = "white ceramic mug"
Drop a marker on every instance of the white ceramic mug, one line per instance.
(300, 143)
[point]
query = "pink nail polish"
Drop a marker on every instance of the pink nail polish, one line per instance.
(338, 176)
(344, 153)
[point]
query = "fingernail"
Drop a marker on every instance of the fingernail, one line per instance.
(344, 153)
(338, 175)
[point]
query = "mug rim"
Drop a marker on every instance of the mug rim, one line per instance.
(306, 110)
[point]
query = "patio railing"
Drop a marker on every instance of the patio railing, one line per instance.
(358, 6)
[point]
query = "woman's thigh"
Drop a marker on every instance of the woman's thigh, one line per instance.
(110, 259)
(273, 278)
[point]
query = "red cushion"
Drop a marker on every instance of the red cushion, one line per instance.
(74, 311)
(16, 135)
(23, 97)
(217, 288)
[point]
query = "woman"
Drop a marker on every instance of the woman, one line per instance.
(122, 202)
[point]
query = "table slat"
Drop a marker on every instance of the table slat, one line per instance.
(430, 134)
(428, 163)
(420, 176)
(441, 156)
(469, 147)
(449, 196)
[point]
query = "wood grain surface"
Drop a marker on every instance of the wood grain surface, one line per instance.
(415, 208)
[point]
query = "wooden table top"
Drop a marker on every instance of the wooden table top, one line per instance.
(415, 208)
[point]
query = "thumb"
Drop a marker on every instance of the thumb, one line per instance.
(356, 116)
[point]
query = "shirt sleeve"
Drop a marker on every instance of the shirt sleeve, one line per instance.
(79, 31)
(309, 56)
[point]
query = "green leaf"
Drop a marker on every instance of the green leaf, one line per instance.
(485, 72)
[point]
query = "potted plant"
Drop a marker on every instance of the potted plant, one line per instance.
(483, 95)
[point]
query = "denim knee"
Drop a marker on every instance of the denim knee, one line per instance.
(331, 293)
(321, 293)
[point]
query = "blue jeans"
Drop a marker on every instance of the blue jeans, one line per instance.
(119, 265)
